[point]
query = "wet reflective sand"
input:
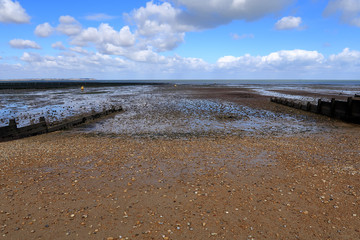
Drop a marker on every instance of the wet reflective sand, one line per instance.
(188, 111)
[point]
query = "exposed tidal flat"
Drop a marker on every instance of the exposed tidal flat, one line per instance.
(184, 162)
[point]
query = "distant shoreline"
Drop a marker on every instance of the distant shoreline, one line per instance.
(46, 84)
(89, 82)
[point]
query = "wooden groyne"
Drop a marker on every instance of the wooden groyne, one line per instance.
(12, 132)
(348, 111)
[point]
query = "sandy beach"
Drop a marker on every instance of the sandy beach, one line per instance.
(223, 184)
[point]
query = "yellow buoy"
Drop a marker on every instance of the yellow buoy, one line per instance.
(82, 88)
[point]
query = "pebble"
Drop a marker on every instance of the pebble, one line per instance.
(164, 160)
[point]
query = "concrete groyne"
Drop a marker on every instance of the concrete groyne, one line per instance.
(12, 132)
(348, 111)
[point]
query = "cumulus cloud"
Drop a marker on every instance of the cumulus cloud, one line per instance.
(44, 30)
(31, 57)
(287, 23)
(99, 17)
(281, 65)
(346, 57)
(79, 50)
(163, 26)
(23, 44)
(75, 64)
(349, 11)
(104, 34)
(159, 25)
(69, 26)
(58, 45)
(276, 61)
(208, 14)
(90, 62)
(12, 12)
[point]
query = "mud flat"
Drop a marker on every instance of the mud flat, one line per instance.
(262, 184)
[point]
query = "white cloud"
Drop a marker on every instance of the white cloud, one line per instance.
(69, 26)
(90, 62)
(99, 17)
(74, 64)
(58, 45)
(163, 26)
(159, 26)
(345, 58)
(277, 61)
(289, 22)
(147, 56)
(104, 34)
(31, 57)
(212, 13)
(44, 30)
(79, 50)
(23, 44)
(12, 12)
(1, 57)
(349, 11)
(286, 64)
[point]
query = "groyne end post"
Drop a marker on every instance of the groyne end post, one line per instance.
(319, 106)
(332, 107)
(349, 108)
(12, 123)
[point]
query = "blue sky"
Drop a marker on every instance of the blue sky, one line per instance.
(180, 39)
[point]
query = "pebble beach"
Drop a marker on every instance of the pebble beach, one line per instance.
(250, 169)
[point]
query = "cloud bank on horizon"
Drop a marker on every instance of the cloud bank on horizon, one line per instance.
(176, 39)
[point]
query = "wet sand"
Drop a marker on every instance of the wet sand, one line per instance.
(83, 185)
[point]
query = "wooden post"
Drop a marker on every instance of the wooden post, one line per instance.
(12, 123)
(308, 106)
(349, 109)
(319, 106)
(332, 112)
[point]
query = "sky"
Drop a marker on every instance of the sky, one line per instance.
(180, 39)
